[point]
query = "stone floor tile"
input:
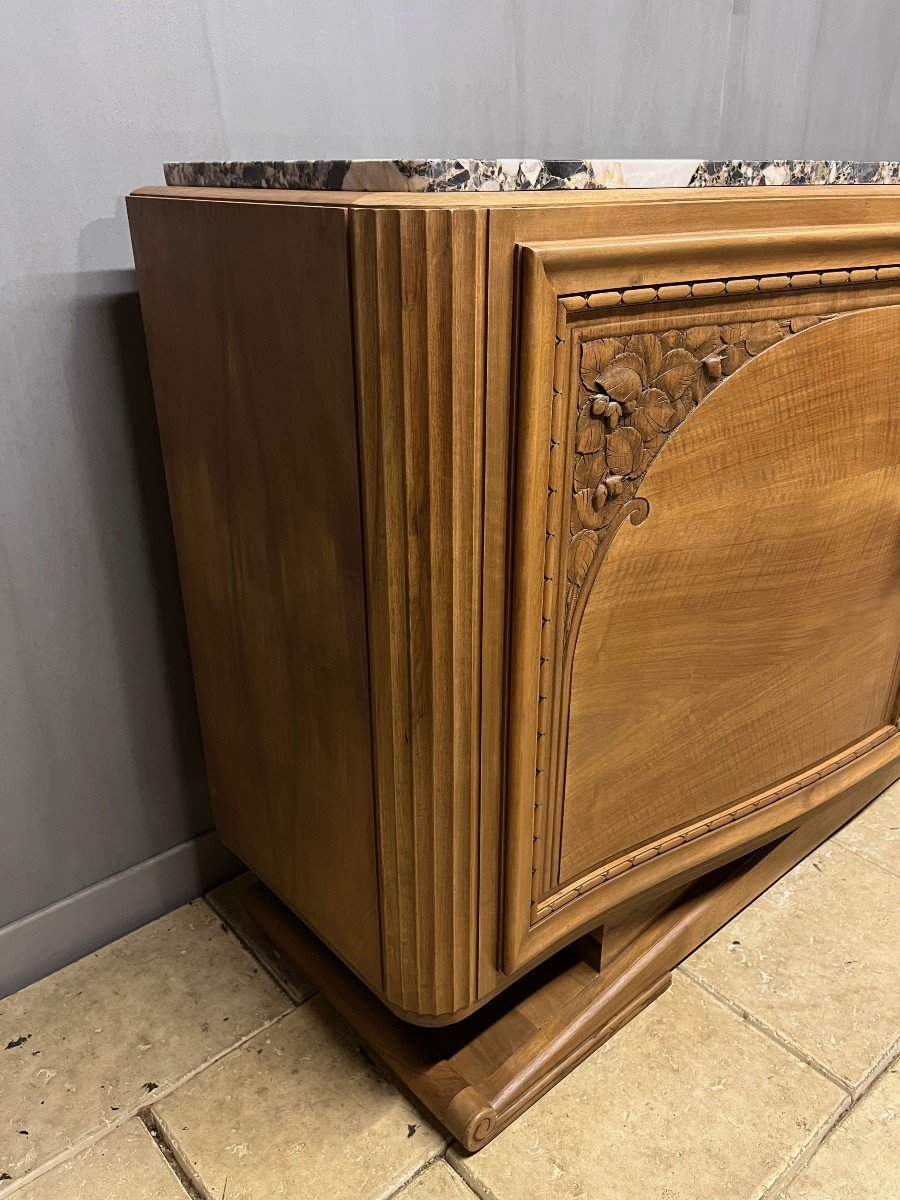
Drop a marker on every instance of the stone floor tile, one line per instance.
(860, 1160)
(815, 962)
(875, 833)
(124, 1165)
(83, 1048)
(228, 901)
(437, 1182)
(297, 1112)
(687, 1102)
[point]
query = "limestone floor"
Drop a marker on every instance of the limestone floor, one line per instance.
(190, 1060)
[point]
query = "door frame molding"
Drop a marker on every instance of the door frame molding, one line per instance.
(566, 288)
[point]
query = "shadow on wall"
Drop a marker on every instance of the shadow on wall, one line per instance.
(132, 522)
(107, 796)
(121, 452)
(137, 393)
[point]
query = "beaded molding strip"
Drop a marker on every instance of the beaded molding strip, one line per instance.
(620, 865)
(739, 286)
(629, 297)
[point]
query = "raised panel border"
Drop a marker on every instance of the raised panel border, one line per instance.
(564, 285)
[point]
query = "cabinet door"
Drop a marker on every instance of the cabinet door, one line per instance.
(707, 573)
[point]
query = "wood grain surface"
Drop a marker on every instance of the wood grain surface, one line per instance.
(247, 312)
(419, 312)
(748, 627)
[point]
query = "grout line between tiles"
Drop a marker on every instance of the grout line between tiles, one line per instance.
(855, 1098)
(63, 1156)
(809, 1151)
(458, 1162)
(248, 946)
(852, 1095)
(765, 1030)
(484, 1194)
(97, 1135)
(396, 1190)
(197, 1188)
(859, 854)
(202, 1192)
(884, 1064)
(401, 1187)
(148, 1120)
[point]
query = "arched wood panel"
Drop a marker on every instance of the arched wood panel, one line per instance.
(748, 628)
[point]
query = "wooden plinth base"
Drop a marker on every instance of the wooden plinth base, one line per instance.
(478, 1075)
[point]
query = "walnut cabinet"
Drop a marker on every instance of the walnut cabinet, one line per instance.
(541, 563)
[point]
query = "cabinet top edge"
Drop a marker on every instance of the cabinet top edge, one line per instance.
(520, 200)
(502, 175)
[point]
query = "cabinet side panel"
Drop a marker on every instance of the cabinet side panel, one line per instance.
(247, 314)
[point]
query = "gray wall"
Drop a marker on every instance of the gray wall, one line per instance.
(103, 809)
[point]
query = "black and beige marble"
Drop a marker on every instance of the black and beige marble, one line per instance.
(520, 175)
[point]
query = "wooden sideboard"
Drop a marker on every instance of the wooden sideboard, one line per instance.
(541, 562)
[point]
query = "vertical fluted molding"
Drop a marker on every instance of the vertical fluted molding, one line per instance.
(419, 284)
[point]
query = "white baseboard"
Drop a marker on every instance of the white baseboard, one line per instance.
(57, 935)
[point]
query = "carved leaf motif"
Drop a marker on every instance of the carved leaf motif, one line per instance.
(590, 513)
(650, 450)
(734, 356)
(623, 450)
(589, 432)
(590, 367)
(736, 333)
(696, 338)
(624, 378)
(650, 350)
(595, 356)
(712, 364)
(798, 324)
(653, 413)
(589, 470)
(766, 333)
(635, 392)
(676, 372)
(709, 348)
(581, 552)
(682, 407)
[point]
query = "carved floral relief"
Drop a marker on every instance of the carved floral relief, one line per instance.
(634, 391)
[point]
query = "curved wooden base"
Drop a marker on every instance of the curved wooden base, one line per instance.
(478, 1075)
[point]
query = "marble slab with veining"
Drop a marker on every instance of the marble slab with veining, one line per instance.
(517, 174)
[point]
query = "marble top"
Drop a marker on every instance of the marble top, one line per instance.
(520, 174)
